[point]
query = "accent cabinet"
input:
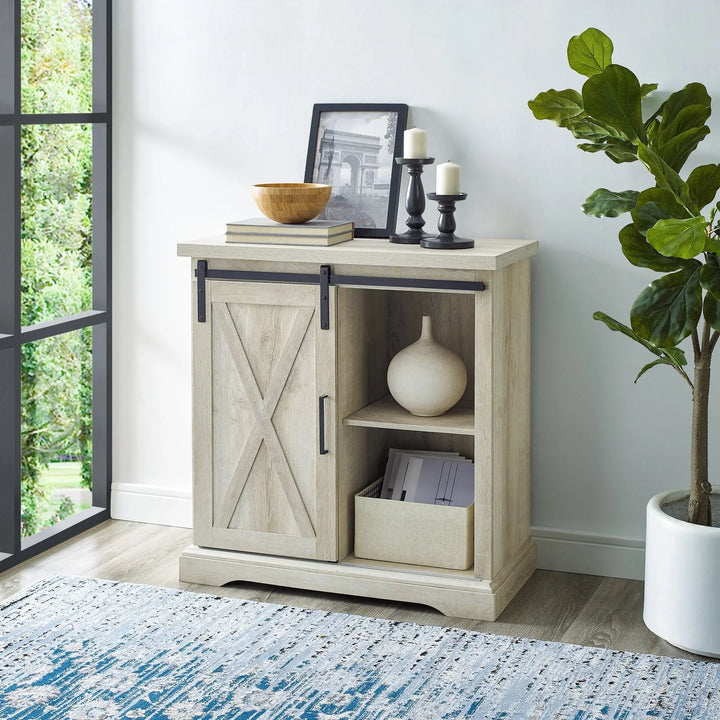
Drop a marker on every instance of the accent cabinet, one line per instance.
(292, 416)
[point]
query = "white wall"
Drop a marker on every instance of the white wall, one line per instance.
(211, 97)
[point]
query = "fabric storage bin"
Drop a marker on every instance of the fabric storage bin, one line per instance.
(415, 533)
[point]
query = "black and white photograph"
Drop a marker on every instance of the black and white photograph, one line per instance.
(353, 148)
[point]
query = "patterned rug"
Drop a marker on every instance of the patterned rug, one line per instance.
(85, 649)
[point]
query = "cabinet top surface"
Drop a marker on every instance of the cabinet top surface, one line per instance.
(486, 255)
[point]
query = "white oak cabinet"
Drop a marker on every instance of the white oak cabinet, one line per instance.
(292, 416)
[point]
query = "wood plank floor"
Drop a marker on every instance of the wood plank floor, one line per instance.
(583, 609)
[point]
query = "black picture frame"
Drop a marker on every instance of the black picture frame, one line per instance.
(363, 172)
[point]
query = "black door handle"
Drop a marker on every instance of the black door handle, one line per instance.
(323, 449)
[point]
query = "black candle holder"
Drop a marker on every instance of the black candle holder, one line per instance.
(447, 240)
(414, 202)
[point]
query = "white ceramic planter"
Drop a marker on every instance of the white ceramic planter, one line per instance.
(682, 579)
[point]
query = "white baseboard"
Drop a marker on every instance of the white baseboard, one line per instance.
(151, 504)
(575, 552)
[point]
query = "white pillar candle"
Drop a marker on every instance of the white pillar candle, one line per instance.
(447, 179)
(415, 143)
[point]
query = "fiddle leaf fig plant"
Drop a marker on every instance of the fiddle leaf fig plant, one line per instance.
(672, 229)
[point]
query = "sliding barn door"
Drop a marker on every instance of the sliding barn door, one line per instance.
(262, 366)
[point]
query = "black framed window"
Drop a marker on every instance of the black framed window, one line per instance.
(55, 271)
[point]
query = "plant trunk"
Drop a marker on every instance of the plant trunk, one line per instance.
(700, 488)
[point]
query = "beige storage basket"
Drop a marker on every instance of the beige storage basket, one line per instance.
(415, 533)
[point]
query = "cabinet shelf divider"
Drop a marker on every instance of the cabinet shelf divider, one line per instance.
(386, 413)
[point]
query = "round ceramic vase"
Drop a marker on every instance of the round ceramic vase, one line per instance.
(682, 579)
(426, 378)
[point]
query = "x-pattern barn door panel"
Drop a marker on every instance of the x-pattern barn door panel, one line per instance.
(264, 363)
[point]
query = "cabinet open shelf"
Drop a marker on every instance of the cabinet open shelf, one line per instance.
(386, 413)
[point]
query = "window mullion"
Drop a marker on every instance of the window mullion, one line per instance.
(7, 57)
(9, 451)
(10, 279)
(62, 118)
(49, 328)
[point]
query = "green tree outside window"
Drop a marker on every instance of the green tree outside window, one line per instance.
(56, 252)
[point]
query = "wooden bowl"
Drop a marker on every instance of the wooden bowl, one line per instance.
(291, 202)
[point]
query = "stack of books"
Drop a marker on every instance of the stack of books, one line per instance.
(313, 232)
(435, 478)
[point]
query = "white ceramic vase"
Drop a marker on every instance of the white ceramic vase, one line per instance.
(426, 378)
(682, 579)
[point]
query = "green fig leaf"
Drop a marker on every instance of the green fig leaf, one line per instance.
(684, 238)
(557, 106)
(613, 97)
(655, 363)
(593, 147)
(676, 355)
(621, 153)
(669, 308)
(587, 128)
(590, 52)
(617, 326)
(703, 184)
(647, 88)
(655, 204)
(640, 253)
(688, 118)
(618, 151)
(691, 94)
(667, 178)
(711, 311)
(606, 203)
(677, 150)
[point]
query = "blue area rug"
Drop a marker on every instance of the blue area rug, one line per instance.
(85, 649)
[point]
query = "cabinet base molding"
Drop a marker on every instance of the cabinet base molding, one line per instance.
(454, 593)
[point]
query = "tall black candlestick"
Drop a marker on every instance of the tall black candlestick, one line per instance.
(447, 240)
(414, 202)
